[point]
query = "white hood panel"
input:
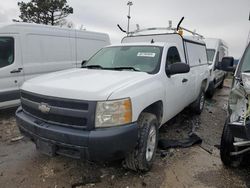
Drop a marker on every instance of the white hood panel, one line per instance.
(83, 84)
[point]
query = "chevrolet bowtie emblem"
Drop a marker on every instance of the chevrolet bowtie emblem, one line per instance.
(44, 108)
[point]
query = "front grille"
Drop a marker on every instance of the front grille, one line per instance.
(64, 103)
(64, 112)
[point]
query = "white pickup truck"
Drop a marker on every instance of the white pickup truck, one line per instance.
(113, 106)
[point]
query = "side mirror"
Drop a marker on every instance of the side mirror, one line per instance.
(227, 64)
(177, 68)
(83, 62)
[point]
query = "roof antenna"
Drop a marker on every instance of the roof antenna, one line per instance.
(121, 28)
(179, 24)
(130, 3)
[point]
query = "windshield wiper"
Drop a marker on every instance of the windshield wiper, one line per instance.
(127, 68)
(93, 67)
(109, 68)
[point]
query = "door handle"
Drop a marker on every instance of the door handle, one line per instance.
(16, 70)
(184, 80)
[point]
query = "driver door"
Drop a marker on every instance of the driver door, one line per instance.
(11, 70)
(176, 86)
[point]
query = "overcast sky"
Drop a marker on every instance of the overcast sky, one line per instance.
(226, 19)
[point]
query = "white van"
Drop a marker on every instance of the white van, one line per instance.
(29, 50)
(216, 50)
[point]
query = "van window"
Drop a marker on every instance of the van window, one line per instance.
(210, 54)
(196, 54)
(173, 56)
(6, 51)
(217, 58)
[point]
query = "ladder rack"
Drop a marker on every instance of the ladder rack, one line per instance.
(169, 28)
(165, 29)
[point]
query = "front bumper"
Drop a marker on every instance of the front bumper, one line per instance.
(94, 145)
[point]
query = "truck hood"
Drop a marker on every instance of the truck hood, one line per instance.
(83, 84)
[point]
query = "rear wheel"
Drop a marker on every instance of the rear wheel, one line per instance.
(221, 84)
(141, 159)
(211, 90)
(198, 104)
(226, 147)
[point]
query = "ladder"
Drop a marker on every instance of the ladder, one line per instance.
(169, 28)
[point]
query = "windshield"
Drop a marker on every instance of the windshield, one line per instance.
(6, 51)
(130, 58)
(245, 61)
(210, 54)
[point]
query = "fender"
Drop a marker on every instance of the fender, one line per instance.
(142, 95)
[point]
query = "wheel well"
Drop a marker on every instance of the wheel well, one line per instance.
(204, 84)
(156, 109)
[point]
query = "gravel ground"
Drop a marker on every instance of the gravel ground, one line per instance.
(198, 166)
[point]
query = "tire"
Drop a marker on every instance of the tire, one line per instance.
(211, 90)
(198, 104)
(226, 147)
(221, 84)
(142, 157)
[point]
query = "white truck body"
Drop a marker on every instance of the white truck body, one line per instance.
(114, 105)
(142, 88)
(29, 50)
(216, 50)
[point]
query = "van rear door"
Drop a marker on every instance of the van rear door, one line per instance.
(11, 70)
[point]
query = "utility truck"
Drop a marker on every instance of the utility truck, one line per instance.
(29, 50)
(113, 107)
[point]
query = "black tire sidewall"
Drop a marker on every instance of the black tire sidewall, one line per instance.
(136, 160)
(196, 105)
(143, 139)
(226, 147)
(211, 90)
(221, 84)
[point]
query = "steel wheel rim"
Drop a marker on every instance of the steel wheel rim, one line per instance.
(151, 143)
(202, 101)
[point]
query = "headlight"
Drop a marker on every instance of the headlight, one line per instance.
(112, 113)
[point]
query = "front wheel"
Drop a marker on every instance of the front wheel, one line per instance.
(226, 147)
(142, 157)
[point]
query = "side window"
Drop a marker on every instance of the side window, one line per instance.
(217, 58)
(6, 51)
(173, 56)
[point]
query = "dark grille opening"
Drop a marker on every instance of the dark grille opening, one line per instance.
(58, 119)
(65, 103)
(73, 113)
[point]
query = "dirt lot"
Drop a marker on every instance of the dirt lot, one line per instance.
(198, 166)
